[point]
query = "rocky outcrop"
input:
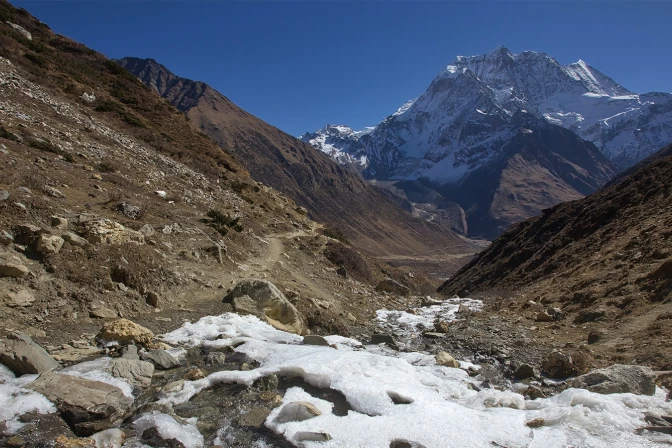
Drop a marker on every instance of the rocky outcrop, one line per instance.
(109, 232)
(263, 299)
(22, 355)
(87, 406)
(618, 379)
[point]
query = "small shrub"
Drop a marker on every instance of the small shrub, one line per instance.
(35, 59)
(223, 222)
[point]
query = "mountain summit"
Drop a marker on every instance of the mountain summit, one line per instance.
(465, 121)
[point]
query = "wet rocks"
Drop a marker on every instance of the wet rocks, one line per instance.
(87, 406)
(12, 269)
(446, 360)
(262, 298)
(297, 411)
(126, 331)
(254, 418)
(161, 359)
(618, 379)
(49, 244)
(22, 355)
(393, 287)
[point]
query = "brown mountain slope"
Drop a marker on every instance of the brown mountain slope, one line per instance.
(607, 257)
(331, 193)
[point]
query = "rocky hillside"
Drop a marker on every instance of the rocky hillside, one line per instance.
(330, 193)
(605, 263)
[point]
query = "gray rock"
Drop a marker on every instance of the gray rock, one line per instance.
(309, 436)
(19, 299)
(161, 359)
(87, 406)
(53, 192)
(12, 269)
(131, 352)
(27, 233)
(138, 373)
(297, 411)
(103, 313)
(74, 239)
(129, 210)
(22, 355)
(6, 238)
(618, 379)
(215, 358)
(401, 443)
(4, 195)
(49, 244)
(147, 230)
(152, 299)
(264, 298)
(393, 287)
(315, 340)
(428, 301)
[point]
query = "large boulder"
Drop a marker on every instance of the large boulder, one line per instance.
(87, 406)
(263, 299)
(618, 379)
(110, 232)
(393, 287)
(22, 355)
(559, 365)
(126, 331)
(138, 373)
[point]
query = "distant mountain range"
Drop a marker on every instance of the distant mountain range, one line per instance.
(479, 109)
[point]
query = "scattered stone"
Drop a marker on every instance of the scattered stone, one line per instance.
(393, 287)
(74, 239)
(433, 335)
(53, 192)
(534, 392)
(87, 406)
(315, 340)
(265, 299)
(102, 312)
(152, 299)
(442, 327)
(559, 365)
(618, 379)
(446, 360)
(22, 355)
(297, 411)
(428, 301)
(401, 443)
(384, 338)
(6, 238)
(147, 230)
(589, 316)
(20, 299)
(49, 244)
(536, 423)
(138, 373)
(525, 371)
(195, 374)
(58, 222)
(309, 436)
(124, 330)
(12, 269)
(109, 232)
(464, 311)
(162, 359)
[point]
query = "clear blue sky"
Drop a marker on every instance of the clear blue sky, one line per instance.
(300, 65)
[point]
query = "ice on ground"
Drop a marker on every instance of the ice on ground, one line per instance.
(441, 409)
(169, 428)
(16, 400)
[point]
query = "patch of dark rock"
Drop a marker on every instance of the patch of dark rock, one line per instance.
(399, 399)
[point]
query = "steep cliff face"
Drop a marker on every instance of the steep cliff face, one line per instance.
(331, 193)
